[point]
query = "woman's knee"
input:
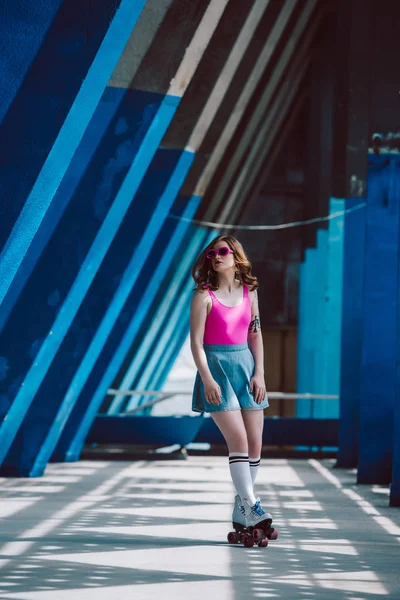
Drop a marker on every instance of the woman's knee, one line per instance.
(254, 447)
(233, 430)
(238, 443)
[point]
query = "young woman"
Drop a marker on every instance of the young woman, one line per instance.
(227, 348)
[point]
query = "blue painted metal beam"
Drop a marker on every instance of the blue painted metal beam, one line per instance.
(74, 179)
(330, 347)
(145, 237)
(163, 373)
(378, 371)
(176, 322)
(319, 291)
(90, 265)
(305, 358)
(395, 485)
(352, 331)
(156, 337)
(60, 152)
(123, 336)
(23, 27)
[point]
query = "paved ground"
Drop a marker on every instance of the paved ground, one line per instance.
(118, 531)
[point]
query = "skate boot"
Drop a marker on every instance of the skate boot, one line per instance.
(259, 523)
(238, 522)
(238, 515)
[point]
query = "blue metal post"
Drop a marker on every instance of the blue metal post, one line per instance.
(73, 437)
(378, 374)
(160, 329)
(351, 336)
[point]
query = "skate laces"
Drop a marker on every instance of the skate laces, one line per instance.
(257, 510)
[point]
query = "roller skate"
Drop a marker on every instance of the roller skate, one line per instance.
(251, 524)
(238, 522)
(259, 523)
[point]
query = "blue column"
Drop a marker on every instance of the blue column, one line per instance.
(101, 308)
(395, 485)
(351, 336)
(332, 312)
(71, 70)
(174, 327)
(135, 314)
(23, 27)
(319, 300)
(156, 337)
(97, 226)
(378, 374)
(306, 333)
(163, 373)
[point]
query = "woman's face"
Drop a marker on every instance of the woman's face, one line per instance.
(222, 263)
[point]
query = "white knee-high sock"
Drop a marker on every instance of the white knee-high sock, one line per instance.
(241, 476)
(254, 464)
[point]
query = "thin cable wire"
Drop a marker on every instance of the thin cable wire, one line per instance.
(211, 225)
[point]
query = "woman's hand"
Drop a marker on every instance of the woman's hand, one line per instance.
(258, 387)
(212, 392)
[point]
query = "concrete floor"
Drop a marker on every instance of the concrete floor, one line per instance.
(118, 530)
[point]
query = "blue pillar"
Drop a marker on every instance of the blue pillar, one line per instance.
(98, 223)
(352, 331)
(71, 70)
(23, 28)
(332, 312)
(156, 337)
(101, 308)
(395, 485)
(135, 314)
(175, 325)
(163, 373)
(379, 332)
(319, 299)
(306, 333)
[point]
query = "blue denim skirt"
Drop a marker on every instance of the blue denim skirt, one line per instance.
(232, 367)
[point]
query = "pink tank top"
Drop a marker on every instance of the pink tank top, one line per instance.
(228, 324)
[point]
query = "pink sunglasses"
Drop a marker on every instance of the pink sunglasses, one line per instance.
(224, 251)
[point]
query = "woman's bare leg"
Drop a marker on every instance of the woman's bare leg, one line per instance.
(254, 424)
(232, 427)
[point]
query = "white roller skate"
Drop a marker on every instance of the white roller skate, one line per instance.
(259, 523)
(251, 524)
(255, 515)
(238, 522)
(238, 515)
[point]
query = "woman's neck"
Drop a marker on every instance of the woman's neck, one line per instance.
(227, 282)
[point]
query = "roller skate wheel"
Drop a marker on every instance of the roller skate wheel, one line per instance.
(263, 543)
(258, 535)
(248, 541)
(233, 537)
(274, 535)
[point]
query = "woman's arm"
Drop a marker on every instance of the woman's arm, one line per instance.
(198, 316)
(255, 341)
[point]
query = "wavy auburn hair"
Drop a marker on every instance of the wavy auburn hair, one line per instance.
(204, 274)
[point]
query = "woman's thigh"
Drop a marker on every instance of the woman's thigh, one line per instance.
(232, 427)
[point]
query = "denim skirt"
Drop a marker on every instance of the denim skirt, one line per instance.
(232, 367)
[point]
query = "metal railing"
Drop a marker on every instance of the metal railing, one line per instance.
(163, 396)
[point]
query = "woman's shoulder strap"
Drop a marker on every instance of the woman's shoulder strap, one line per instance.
(209, 290)
(245, 291)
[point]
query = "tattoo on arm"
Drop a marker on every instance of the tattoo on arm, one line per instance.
(254, 325)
